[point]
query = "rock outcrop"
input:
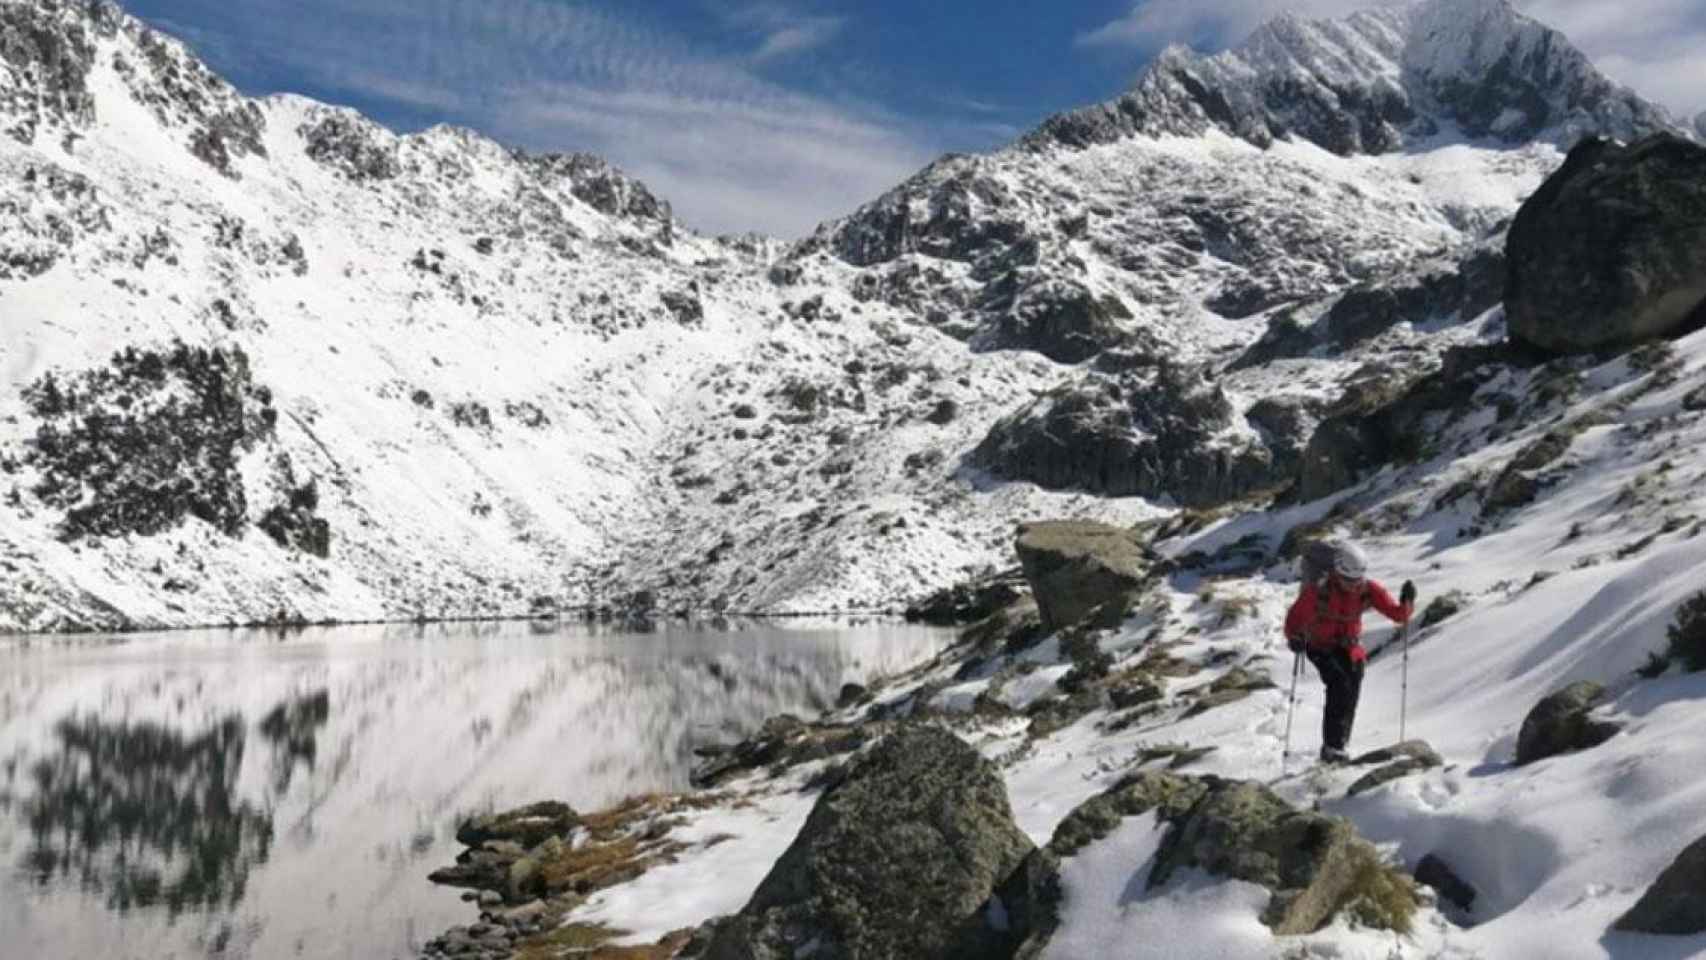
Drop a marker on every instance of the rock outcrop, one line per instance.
(1562, 722)
(1315, 865)
(1165, 431)
(1076, 568)
(896, 860)
(1676, 902)
(1611, 250)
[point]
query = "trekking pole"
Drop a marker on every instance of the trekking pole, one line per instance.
(1285, 751)
(1404, 685)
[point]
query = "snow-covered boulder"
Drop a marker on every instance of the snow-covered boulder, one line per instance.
(1676, 902)
(896, 860)
(1561, 723)
(1077, 567)
(1571, 291)
(1151, 830)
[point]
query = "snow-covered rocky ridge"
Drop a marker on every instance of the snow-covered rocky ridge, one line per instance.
(496, 383)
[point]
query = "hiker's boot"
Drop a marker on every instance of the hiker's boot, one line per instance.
(1334, 755)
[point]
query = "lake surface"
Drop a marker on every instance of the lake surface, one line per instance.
(251, 794)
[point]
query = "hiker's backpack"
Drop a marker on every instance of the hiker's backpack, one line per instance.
(1319, 558)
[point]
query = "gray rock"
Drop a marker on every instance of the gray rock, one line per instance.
(1676, 902)
(1438, 874)
(1395, 770)
(899, 859)
(1383, 415)
(1561, 723)
(1611, 250)
(1153, 432)
(1418, 750)
(1059, 319)
(1315, 864)
(1076, 567)
(528, 826)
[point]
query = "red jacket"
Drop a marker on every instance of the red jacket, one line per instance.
(1340, 623)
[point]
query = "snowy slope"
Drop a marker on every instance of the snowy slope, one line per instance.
(515, 383)
(1580, 584)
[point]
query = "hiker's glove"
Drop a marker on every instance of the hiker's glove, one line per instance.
(1294, 643)
(1407, 595)
(1359, 656)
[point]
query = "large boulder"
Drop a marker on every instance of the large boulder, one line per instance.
(1157, 431)
(1315, 864)
(1561, 723)
(896, 860)
(1611, 250)
(1676, 902)
(1077, 567)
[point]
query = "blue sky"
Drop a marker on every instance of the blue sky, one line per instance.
(774, 115)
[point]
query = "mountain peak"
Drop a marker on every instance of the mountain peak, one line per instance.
(1373, 82)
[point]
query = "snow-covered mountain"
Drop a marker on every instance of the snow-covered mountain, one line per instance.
(264, 358)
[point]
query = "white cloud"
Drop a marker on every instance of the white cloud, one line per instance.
(779, 166)
(729, 149)
(798, 38)
(1657, 47)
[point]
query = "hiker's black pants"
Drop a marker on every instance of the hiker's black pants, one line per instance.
(1343, 678)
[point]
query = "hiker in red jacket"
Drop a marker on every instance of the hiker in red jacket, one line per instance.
(1325, 624)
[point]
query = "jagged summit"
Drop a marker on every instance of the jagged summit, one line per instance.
(1374, 82)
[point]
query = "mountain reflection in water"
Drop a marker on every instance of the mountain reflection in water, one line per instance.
(145, 815)
(250, 794)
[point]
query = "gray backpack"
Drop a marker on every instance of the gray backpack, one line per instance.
(1319, 558)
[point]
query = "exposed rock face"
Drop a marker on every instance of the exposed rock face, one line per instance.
(46, 55)
(1154, 433)
(1676, 902)
(1383, 417)
(896, 860)
(1611, 250)
(1459, 288)
(1061, 320)
(1561, 723)
(353, 144)
(1076, 568)
(1353, 440)
(1333, 85)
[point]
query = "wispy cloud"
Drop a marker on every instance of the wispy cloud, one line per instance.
(729, 148)
(798, 38)
(1657, 47)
